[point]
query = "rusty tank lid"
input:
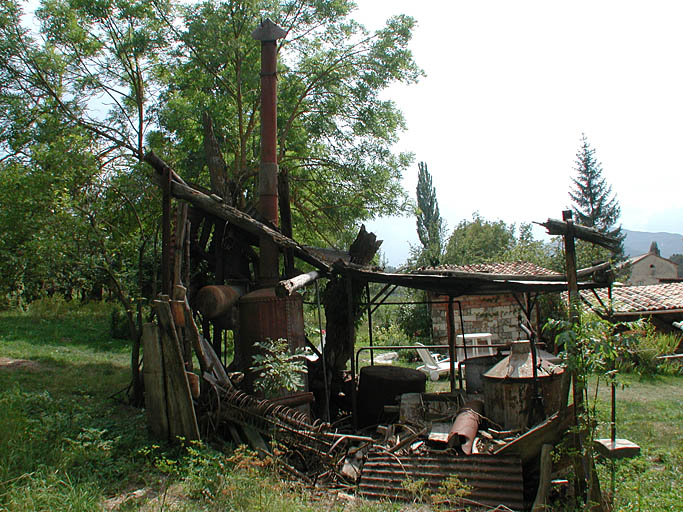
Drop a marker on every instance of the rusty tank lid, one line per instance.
(519, 364)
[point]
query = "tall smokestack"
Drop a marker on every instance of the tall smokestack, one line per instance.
(268, 33)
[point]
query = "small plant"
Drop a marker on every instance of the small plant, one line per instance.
(452, 491)
(417, 489)
(278, 369)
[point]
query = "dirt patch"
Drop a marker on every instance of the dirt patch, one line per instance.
(7, 363)
(147, 499)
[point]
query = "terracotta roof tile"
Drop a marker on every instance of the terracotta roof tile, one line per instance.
(513, 268)
(636, 299)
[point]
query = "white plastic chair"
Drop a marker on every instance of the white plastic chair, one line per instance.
(433, 366)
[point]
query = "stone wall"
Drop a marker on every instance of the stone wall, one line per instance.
(497, 314)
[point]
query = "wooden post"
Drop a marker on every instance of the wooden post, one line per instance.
(573, 293)
(155, 386)
(352, 337)
(166, 233)
(451, 345)
(182, 421)
(541, 501)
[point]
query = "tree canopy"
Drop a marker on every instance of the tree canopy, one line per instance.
(483, 241)
(593, 203)
(87, 87)
(335, 131)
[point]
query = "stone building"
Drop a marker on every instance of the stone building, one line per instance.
(651, 268)
(498, 314)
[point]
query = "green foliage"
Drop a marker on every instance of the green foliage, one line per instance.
(415, 319)
(279, 370)
(678, 260)
(479, 241)
(484, 241)
(646, 346)
(417, 489)
(591, 348)
(335, 132)
(430, 227)
(119, 324)
(594, 205)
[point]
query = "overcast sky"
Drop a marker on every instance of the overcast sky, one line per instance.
(511, 86)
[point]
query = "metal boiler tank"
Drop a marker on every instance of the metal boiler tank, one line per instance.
(509, 386)
(263, 315)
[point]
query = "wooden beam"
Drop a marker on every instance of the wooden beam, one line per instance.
(562, 227)
(288, 286)
(213, 205)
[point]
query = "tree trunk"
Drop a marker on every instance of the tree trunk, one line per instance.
(340, 336)
(286, 219)
(218, 170)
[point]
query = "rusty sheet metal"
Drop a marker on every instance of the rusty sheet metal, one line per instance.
(494, 480)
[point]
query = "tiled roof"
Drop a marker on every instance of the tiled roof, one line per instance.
(638, 299)
(513, 268)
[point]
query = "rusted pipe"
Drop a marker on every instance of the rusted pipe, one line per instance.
(466, 426)
(268, 33)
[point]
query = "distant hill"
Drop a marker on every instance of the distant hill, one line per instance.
(638, 242)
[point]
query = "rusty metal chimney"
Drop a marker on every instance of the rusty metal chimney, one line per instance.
(268, 33)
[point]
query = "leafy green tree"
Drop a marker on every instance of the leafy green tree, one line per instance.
(527, 248)
(479, 241)
(335, 131)
(594, 205)
(678, 260)
(430, 228)
(77, 103)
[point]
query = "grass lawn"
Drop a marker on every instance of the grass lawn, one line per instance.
(65, 444)
(649, 413)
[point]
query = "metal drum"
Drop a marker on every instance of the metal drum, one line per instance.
(509, 387)
(263, 315)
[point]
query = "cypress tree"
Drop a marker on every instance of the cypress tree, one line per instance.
(430, 228)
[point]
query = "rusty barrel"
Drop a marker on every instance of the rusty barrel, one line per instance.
(262, 316)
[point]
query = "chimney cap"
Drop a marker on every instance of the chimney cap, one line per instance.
(268, 31)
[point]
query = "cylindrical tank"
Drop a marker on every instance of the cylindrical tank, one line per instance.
(263, 315)
(509, 387)
(380, 385)
(475, 367)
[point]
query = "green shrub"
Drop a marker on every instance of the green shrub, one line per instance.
(645, 347)
(278, 369)
(118, 328)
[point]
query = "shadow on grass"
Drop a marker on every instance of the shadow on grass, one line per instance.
(77, 330)
(60, 377)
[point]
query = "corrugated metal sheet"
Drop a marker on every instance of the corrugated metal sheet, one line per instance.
(494, 480)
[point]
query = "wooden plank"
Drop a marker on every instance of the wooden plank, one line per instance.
(541, 501)
(214, 364)
(153, 376)
(562, 227)
(255, 439)
(620, 449)
(182, 421)
(528, 445)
